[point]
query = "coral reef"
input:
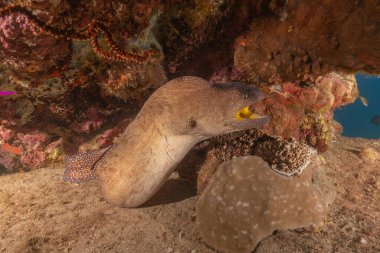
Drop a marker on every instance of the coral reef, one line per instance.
(82, 70)
(8, 162)
(105, 138)
(306, 113)
(66, 59)
(230, 220)
(130, 81)
(49, 51)
(297, 115)
(6, 134)
(24, 50)
(311, 39)
(94, 29)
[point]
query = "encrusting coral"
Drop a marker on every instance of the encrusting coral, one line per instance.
(189, 25)
(94, 29)
(285, 156)
(310, 39)
(130, 81)
(50, 50)
(246, 201)
(50, 59)
(306, 113)
(23, 49)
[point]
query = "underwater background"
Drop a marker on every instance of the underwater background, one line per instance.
(115, 94)
(357, 119)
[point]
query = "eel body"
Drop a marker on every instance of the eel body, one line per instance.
(177, 116)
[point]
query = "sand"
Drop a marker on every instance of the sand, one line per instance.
(41, 213)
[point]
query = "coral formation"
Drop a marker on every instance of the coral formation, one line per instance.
(82, 69)
(190, 25)
(231, 220)
(6, 134)
(33, 154)
(306, 113)
(24, 50)
(94, 29)
(369, 155)
(226, 147)
(92, 121)
(287, 157)
(50, 56)
(312, 39)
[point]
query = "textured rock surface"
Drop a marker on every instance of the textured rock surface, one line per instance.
(311, 38)
(370, 155)
(246, 201)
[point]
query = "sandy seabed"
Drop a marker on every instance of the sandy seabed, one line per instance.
(41, 213)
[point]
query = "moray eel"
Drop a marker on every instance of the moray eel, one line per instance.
(177, 116)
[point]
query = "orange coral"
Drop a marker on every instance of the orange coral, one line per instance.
(11, 149)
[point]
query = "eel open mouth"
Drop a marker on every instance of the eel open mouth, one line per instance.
(247, 113)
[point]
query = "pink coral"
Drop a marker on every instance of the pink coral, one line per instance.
(33, 159)
(25, 49)
(306, 113)
(33, 143)
(93, 121)
(6, 134)
(33, 154)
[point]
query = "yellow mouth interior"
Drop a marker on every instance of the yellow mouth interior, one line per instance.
(245, 113)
